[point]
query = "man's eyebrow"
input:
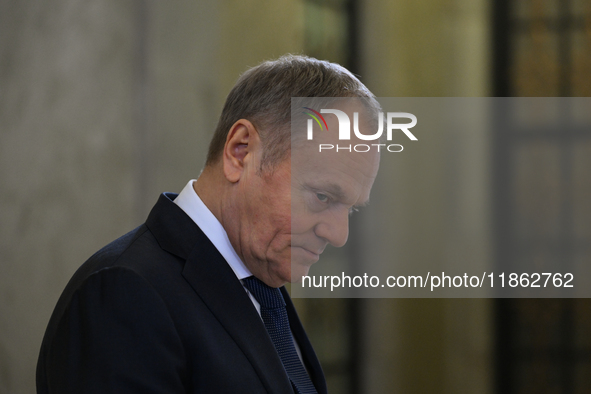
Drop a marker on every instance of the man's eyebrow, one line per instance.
(362, 204)
(337, 191)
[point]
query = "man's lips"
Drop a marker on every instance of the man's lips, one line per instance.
(312, 252)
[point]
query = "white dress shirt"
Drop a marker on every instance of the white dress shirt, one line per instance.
(195, 208)
(191, 204)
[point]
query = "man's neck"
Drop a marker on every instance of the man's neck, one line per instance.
(210, 191)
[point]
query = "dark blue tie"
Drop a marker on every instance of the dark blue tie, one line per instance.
(274, 316)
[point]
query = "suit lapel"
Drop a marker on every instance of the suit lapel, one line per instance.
(216, 284)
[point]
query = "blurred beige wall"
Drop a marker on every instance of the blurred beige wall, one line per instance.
(432, 48)
(105, 104)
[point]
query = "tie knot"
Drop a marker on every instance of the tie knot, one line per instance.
(268, 297)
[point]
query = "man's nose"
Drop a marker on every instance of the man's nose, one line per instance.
(334, 228)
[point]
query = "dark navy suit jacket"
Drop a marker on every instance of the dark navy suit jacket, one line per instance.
(160, 311)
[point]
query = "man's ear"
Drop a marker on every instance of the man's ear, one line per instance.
(241, 143)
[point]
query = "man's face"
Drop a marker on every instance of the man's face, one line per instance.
(289, 215)
(327, 187)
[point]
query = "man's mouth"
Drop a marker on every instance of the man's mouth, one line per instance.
(312, 253)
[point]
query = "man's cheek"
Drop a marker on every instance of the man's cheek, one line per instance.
(302, 223)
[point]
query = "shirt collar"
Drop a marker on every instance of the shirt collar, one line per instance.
(195, 208)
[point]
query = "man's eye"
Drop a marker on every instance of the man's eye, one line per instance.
(322, 197)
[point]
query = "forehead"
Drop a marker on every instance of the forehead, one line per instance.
(347, 176)
(343, 172)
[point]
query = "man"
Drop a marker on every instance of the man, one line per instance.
(188, 301)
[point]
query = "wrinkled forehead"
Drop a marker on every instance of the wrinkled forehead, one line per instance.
(326, 162)
(326, 165)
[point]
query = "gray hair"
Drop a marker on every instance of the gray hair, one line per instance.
(263, 95)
